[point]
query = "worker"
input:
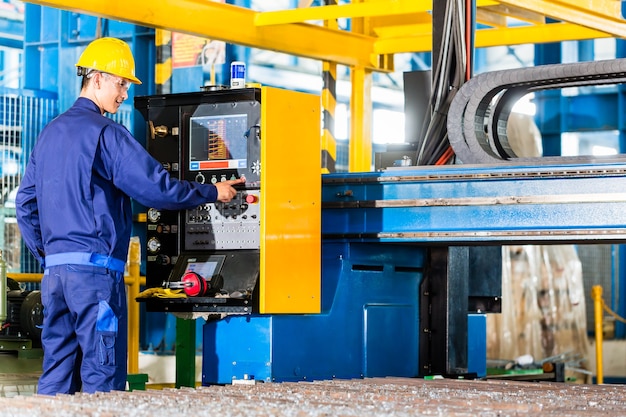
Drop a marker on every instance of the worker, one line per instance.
(74, 211)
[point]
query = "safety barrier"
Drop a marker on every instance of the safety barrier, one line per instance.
(598, 307)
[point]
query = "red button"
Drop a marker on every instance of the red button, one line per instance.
(251, 199)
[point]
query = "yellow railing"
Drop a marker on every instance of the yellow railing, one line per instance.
(596, 295)
(598, 307)
(133, 283)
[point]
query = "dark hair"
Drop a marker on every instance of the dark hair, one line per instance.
(86, 73)
(84, 82)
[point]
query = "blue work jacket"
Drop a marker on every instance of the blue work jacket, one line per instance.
(75, 196)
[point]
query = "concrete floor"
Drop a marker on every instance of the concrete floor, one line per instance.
(19, 373)
(19, 376)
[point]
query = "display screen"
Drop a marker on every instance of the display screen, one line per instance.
(206, 268)
(218, 142)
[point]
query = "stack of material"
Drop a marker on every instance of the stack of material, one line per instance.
(543, 306)
(367, 397)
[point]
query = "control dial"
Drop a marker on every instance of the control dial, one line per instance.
(154, 215)
(154, 245)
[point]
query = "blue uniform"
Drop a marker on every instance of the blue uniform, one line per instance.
(74, 211)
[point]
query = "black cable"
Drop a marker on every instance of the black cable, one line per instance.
(448, 77)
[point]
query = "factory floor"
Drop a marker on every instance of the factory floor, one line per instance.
(361, 397)
(12, 385)
(19, 373)
(21, 376)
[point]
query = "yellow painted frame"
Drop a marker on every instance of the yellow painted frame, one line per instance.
(291, 187)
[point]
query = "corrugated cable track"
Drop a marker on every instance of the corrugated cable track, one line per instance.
(478, 114)
(363, 397)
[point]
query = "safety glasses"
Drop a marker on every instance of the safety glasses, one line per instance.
(121, 83)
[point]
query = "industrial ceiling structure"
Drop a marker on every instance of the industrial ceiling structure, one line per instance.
(379, 27)
(364, 35)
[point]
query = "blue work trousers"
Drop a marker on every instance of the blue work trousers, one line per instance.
(84, 335)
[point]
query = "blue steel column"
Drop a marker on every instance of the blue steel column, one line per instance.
(41, 65)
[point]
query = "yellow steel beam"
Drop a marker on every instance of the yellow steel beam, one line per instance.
(505, 10)
(415, 43)
(369, 9)
(608, 8)
(372, 8)
(234, 25)
(370, 50)
(490, 18)
(381, 23)
(601, 15)
(360, 145)
(398, 31)
(555, 32)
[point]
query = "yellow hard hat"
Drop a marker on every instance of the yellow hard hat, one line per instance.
(110, 55)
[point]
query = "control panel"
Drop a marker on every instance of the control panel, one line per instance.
(233, 225)
(235, 257)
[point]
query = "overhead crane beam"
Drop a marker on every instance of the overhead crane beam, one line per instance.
(371, 9)
(601, 15)
(236, 25)
(397, 26)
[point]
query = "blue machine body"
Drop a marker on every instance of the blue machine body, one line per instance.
(479, 204)
(477, 344)
(368, 326)
(377, 230)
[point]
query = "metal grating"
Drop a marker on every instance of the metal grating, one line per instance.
(23, 114)
(599, 269)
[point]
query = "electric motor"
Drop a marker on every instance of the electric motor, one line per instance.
(24, 314)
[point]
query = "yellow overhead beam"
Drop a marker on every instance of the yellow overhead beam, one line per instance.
(505, 11)
(490, 18)
(372, 8)
(608, 8)
(234, 24)
(369, 9)
(383, 22)
(554, 32)
(601, 15)
(390, 32)
(393, 26)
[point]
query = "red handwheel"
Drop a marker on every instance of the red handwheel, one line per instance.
(194, 284)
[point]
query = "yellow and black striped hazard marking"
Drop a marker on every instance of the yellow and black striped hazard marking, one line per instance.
(329, 104)
(163, 70)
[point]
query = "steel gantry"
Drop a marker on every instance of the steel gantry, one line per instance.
(394, 26)
(377, 30)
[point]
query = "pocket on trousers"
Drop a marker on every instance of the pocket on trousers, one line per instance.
(106, 348)
(106, 331)
(107, 320)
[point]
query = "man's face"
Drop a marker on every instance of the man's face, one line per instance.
(113, 90)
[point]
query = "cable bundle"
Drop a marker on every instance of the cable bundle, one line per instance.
(450, 73)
